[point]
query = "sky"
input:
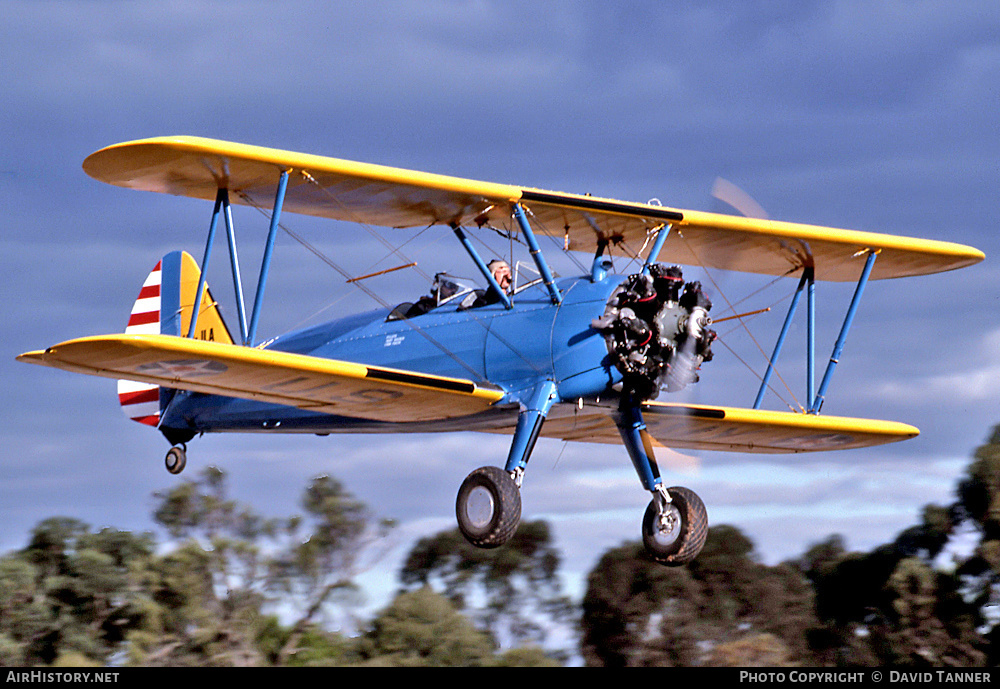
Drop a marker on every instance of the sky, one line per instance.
(876, 116)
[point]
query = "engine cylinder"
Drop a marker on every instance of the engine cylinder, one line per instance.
(657, 331)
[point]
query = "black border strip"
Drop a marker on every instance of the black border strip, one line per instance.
(416, 379)
(597, 205)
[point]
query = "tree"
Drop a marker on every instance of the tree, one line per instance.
(235, 564)
(518, 583)
(323, 564)
(421, 628)
(638, 612)
(892, 605)
(920, 634)
(71, 591)
(979, 502)
(210, 589)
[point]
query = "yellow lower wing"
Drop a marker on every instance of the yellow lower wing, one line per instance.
(322, 385)
(729, 429)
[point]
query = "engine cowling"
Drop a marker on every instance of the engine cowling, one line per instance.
(656, 328)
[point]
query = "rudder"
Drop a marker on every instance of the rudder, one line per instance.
(164, 307)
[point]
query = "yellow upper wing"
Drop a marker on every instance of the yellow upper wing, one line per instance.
(728, 429)
(322, 385)
(393, 197)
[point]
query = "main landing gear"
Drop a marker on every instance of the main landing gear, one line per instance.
(488, 508)
(675, 525)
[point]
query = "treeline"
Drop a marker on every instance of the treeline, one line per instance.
(231, 587)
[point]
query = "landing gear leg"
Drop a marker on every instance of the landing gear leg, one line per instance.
(675, 525)
(176, 458)
(488, 507)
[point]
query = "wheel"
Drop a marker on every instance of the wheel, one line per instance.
(488, 507)
(677, 538)
(176, 459)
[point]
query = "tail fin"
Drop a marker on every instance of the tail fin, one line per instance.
(164, 306)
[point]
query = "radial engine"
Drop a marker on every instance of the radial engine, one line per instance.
(656, 329)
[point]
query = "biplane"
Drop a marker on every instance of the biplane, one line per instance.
(580, 358)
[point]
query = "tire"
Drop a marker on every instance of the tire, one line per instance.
(176, 459)
(681, 544)
(488, 507)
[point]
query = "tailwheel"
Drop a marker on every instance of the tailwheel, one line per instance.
(176, 459)
(674, 532)
(488, 507)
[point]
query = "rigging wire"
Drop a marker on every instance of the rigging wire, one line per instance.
(386, 243)
(360, 285)
(753, 339)
(350, 280)
(509, 234)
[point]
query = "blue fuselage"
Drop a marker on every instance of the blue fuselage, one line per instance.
(514, 349)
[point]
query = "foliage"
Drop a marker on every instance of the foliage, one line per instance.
(71, 591)
(895, 605)
(74, 596)
(421, 628)
(516, 587)
(637, 612)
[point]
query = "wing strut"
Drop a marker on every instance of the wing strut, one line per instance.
(222, 205)
(235, 264)
(838, 348)
(265, 266)
(654, 252)
(807, 279)
(220, 197)
(536, 254)
(504, 299)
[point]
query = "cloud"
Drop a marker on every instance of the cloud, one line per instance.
(960, 375)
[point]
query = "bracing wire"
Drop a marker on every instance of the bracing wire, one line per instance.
(346, 275)
(368, 228)
(730, 306)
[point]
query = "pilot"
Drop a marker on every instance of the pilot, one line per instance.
(501, 273)
(500, 270)
(441, 290)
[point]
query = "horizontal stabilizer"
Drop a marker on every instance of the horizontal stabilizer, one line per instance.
(321, 385)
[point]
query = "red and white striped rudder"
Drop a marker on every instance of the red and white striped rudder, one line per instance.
(141, 401)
